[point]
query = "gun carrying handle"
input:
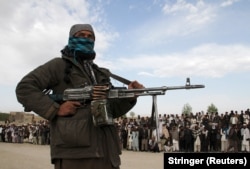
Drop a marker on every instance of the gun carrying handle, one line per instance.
(121, 79)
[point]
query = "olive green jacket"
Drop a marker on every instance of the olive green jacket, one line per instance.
(76, 136)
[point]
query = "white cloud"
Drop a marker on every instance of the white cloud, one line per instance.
(228, 3)
(181, 5)
(35, 31)
(196, 14)
(208, 60)
(179, 19)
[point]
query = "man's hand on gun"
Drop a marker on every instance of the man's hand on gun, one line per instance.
(135, 85)
(101, 91)
(68, 108)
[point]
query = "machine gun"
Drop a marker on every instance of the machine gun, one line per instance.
(99, 96)
(86, 93)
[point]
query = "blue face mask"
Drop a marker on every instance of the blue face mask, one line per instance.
(82, 47)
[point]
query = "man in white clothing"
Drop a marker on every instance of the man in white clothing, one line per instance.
(245, 138)
(224, 139)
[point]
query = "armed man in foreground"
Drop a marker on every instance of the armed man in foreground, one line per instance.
(77, 139)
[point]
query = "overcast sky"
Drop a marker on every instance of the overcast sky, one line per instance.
(157, 42)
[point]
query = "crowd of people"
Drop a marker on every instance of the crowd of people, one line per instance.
(34, 133)
(199, 132)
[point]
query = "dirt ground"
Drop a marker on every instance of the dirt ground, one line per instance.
(29, 156)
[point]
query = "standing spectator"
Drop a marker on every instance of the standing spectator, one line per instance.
(20, 134)
(187, 121)
(26, 133)
(138, 120)
(178, 120)
(213, 138)
(1, 132)
(8, 134)
(143, 121)
(16, 137)
(199, 118)
(124, 135)
(239, 127)
(164, 118)
(164, 136)
(172, 123)
(12, 133)
(216, 119)
(30, 138)
(246, 117)
(204, 140)
(226, 119)
(39, 134)
(135, 138)
(241, 117)
(174, 133)
(193, 121)
(245, 138)
(197, 141)
(224, 138)
(188, 137)
(233, 138)
(181, 139)
(130, 139)
(218, 137)
(234, 119)
(144, 134)
(43, 134)
(120, 136)
(35, 135)
(139, 128)
(159, 117)
(205, 121)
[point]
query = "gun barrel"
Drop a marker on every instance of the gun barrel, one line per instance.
(163, 88)
(125, 93)
(185, 87)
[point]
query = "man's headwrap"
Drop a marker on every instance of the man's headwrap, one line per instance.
(81, 48)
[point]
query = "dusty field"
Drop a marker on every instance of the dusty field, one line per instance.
(28, 156)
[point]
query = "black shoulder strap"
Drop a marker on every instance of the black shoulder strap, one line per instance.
(121, 79)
